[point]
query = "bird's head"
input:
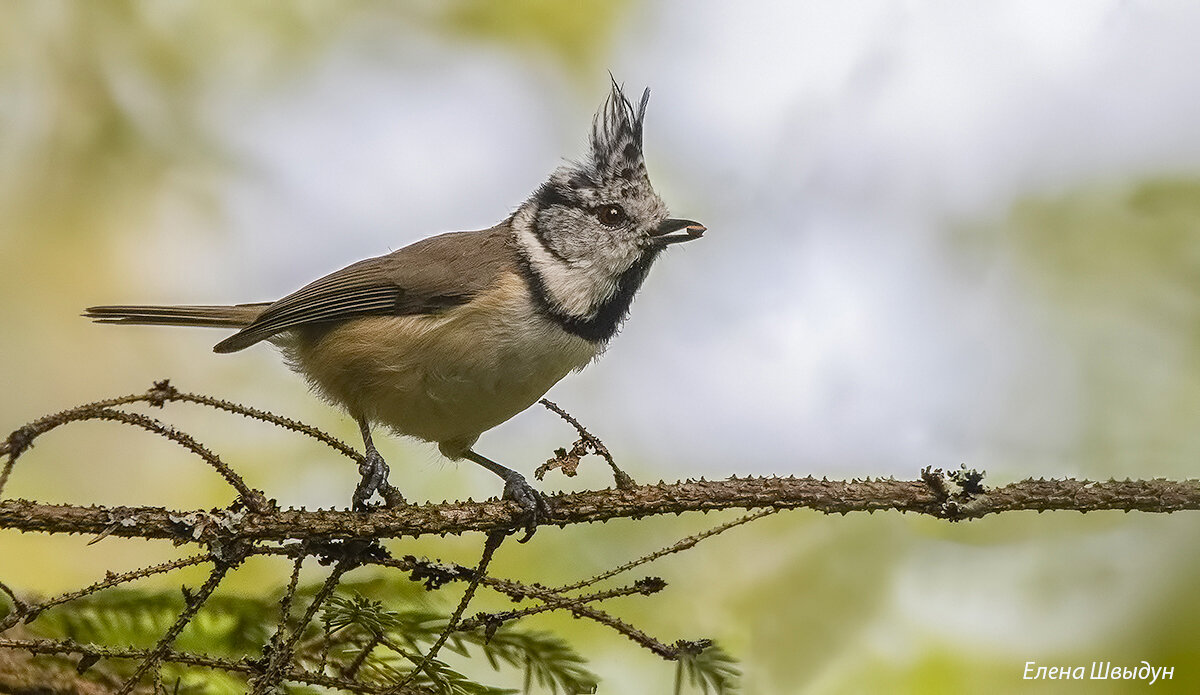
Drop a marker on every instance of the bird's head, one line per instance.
(594, 227)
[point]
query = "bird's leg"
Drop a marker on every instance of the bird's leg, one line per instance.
(517, 489)
(374, 472)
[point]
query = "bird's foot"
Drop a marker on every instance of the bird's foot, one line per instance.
(374, 472)
(535, 508)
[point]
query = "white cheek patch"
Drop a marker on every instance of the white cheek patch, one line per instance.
(573, 290)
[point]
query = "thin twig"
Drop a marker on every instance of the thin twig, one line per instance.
(114, 580)
(242, 666)
(580, 610)
(572, 604)
(192, 605)
(266, 416)
(622, 479)
(11, 595)
(252, 498)
(163, 392)
(6, 471)
(282, 655)
(489, 620)
(553, 599)
(681, 545)
(20, 609)
(285, 603)
(351, 671)
(494, 539)
(661, 649)
(285, 606)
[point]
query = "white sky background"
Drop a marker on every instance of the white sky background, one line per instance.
(825, 324)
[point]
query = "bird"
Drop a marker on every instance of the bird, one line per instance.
(454, 334)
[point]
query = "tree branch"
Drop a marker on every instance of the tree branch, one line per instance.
(252, 523)
(828, 496)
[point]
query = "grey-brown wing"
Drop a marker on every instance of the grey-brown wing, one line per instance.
(425, 277)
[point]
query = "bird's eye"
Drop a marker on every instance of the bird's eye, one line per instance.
(610, 215)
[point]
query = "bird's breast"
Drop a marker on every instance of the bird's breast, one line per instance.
(448, 377)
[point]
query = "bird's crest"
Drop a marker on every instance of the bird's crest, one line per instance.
(617, 137)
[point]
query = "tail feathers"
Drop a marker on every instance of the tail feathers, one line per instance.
(234, 316)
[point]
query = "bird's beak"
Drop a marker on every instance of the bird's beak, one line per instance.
(674, 231)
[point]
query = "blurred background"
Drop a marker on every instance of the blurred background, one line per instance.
(940, 233)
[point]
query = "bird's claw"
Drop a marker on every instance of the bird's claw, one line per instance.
(374, 472)
(535, 509)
